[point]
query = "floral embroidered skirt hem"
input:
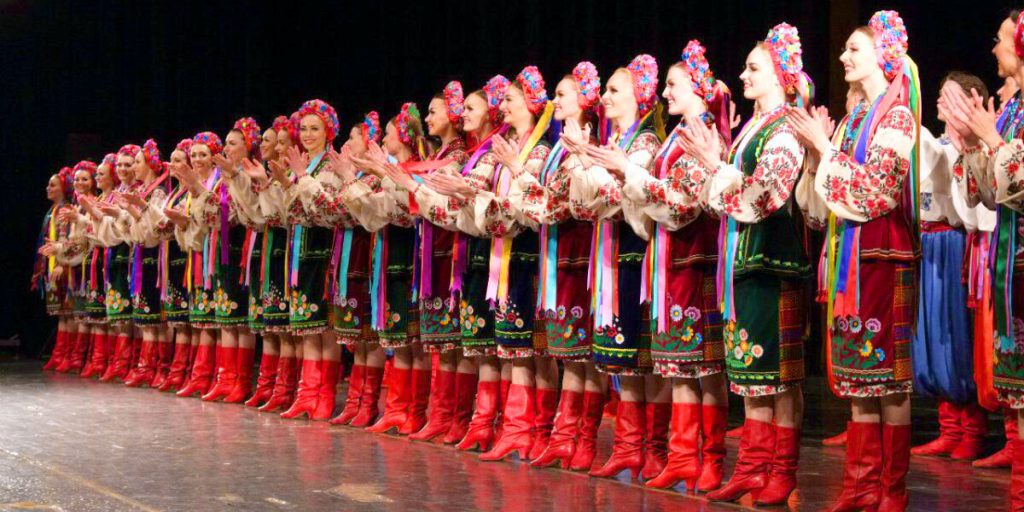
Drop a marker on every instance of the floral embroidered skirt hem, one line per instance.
(516, 329)
(1008, 356)
(352, 313)
(624, 348)
(146, 305)
(175, 301)
(764, 346)
(201, 314)
(273, 296)
(401, 313)
(118, 296)
(690, 345)
(569, 327)
(476, 320)
(309, 307)
(439, 324)
(58, 300)
(870, 352)
(231, 295)
(254, 312)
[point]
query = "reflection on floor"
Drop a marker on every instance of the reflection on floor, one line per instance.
(77, 445)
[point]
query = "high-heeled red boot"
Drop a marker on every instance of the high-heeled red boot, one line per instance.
(499, 421)
(736, 433)
(465, 394)
(133, 362)
(755, 457)
(145, 370)
(308, 394)
(782, 476)
(561, 444)
(397, 401)
(118, 368)
(442, 407)
(227, 374)
(244, 358)
(331, 373)
(265, 380)
(355, 391)
(836, 440)
(164, 356)
(683, 463)
(611, 405)
(586, 440)
(417, 416)
(714, 422)
(974, 425)
(78, 345)
(950, 432)
(176, 372)
(283, 393)
(656, 440)
(517, 431)
(546, 401)
(200, 378)
(1004, 457)
(1017, 478)
(369, 405)
(59, 352)
(480, 434)
(862, 471)
(97, 358)
(628, 444)
(895, 464)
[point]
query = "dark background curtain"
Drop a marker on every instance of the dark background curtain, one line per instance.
(79, 79)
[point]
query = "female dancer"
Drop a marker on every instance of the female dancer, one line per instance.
(762, 282)
(686, 322)
(50, 278)
(621, 339)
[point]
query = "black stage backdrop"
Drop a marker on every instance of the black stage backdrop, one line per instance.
(79, 79)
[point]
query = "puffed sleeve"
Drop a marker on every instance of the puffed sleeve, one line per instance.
(674, 201)
(144, 230)
(973, 175)
(245, 197)
(320, 198)
(495, 214)
(453, 213)
(534, 204)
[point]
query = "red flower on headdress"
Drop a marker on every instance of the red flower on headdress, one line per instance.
(495, 92)
(644, 72)
(701, 77)
(532, 83)
(784, 47)
(370, 127)
(251, 134)
(210, 140)
(325, 112)
(185, 145)
(66, 177)
(110, 160)
(890, 42)
(151, 155)
(454, 102)
(403, 123)
(588, 83)
(129, 150)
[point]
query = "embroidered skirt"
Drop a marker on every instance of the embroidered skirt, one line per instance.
(118, 299)
(569, 327)
(401, 313)
(691, 344)
(231, 296)
(272, 285)
(439, 316)
(352, 312)
(624, 347)
(1008, 357)
(176, 301)
(475, 316)
(517, 332)
(254, 312)
(309, 308)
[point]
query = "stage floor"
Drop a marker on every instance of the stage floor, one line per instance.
(76, 445)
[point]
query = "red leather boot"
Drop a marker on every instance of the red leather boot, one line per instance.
(714, 422)
(283, 393)
(370, 398)
(895, 464)
(442, 407)
(590, 423)
(517, 431)
(1017, 479)
(145, 370)
(1004, 457)
(480, 433)
(628, 444)
(736, 433)
(118, 369)
(782, 476)
(974, 424)
(176, 373)
(465, 393)
(133, 362)
(265, 381)
(331, 373)
(950, 432)
(308, 394)
(544, 420)
(98, 358)
(244, 358)
(164, 354)
(499, 422)
(755, 457)
(862, 471)
(60, 350)
(683, 462)
(656, 441)
(562, 443)
(78, 345)
(420, 392)
(397, 401)
(199, 379)
(355, 390)
(227, 374)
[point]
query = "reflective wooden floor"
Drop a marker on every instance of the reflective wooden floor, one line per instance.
(76, 445)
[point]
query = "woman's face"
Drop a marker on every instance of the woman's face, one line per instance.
(355, 140)
(758, 77)
(1004, 50)
(202, 158)
(858, 58)
(567, 99)
(141, 168)
(679, 93)
(54, 190)
(392, 144)
(178, 159)
(284, 141)
(513, 106)
(83, 183)
(268, 144)
(475, 113)
(234, 148)
(125, 168)
(618, 98)
(437, 117)
(312, 133)
(105, 177)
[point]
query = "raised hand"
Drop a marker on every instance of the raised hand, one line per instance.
(297, 161)
(507, 154)
(110, 210)
(611, 157)
(68, 214)
(279, 172)
(134, 200)
(398, 175)
(810, 129)
(698, 140)
(227, 168)
(47, 249)
(176, 215)
(450, 185)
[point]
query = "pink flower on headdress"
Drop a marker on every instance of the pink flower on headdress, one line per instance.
(85, 165)
(588, 83)
(783, 42)
(290, 125)
(110, 160)
(495, 92)
(185, 145)
(210, 140)
(151, 154)
(403, 122)
(131, 150)
(325, 112)
(890, 42)
(250, 131)
(532, 83)
(701, 77)
(370, 127)
(644, 72)
(454, 102)
(66, 177)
